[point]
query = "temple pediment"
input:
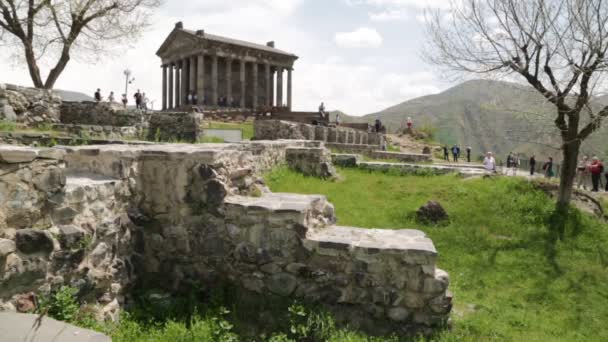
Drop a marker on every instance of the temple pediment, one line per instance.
(177, 42)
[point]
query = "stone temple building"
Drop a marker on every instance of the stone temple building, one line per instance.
(222, 70)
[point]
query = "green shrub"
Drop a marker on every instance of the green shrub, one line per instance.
(61, 304)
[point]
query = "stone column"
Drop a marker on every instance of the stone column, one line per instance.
(164, 87)
(272, 92)
(178, 82)
(170, 87)
(192, 76)
(289, 88)
(200, 83)
(256, 85)
(185, 81)
(229, 80)
(267, 84)
(214, 80)
(242, 81)
(280, 86)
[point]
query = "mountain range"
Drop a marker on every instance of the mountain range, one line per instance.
(488, 115)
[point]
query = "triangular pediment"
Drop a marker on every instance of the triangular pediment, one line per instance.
(177, 41)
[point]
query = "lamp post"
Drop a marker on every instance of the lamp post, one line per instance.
(128, 80)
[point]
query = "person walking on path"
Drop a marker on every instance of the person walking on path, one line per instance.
(596, 169)
(124, 100)
(446, 154)
(582, 171)
(532, 165)
(378, 125)
(410, 124)
(111, 98)
(98, 95)
(509, 162)
(137, 97)
(455, 153)
(489, 163)
(548, 168)
(144, 102)
(514, 165)
(337, 119)
(469, 149)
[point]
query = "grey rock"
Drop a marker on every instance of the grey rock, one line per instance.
(30, 241)
(14, 155)
(70, 236)
(432, 212)
(6, 247)
(282, 284)
(398, 314)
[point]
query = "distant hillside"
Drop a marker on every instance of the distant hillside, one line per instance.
(73, 96)
(488, 116)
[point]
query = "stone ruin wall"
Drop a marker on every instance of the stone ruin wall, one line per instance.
(29, 105)
(339, 137)
(100, 218)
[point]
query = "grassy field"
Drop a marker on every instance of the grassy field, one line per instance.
(511, 280)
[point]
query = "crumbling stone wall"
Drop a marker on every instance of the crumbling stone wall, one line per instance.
(28, 105)
(311, 161)
(61, 229)
(174, 127)
(101, 114)
(174, 215)
(276, 130)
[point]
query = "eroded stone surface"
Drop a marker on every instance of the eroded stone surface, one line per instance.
(27, 327)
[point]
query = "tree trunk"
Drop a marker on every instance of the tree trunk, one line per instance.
(568, 173)
(32, 65)
(58, 69)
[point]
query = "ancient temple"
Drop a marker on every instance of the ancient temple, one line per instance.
(223, 71)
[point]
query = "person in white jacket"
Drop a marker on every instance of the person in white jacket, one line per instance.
(489, 162)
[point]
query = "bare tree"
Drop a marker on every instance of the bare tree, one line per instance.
(557, 46)
(47, 31)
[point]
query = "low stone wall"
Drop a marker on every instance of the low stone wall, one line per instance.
(175, 215)
(105, 132)
(28, 105)
(276, 129)
(100, 114)
(45, 139)
(311, 161)
(404, 157)
(173, 127)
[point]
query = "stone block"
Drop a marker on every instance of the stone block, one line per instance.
(16, 154)
(345, 160)
(30, 241)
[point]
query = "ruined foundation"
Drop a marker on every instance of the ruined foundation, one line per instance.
(101, 218)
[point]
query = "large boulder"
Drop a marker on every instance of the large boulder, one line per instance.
(432, 212)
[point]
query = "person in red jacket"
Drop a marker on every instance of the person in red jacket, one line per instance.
(596, 170)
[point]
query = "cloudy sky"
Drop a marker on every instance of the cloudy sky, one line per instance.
(358, 56)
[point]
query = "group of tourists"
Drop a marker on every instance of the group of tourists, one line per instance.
(141, 100)
(456, 151)
(589, 174)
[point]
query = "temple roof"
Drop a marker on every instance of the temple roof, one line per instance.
(204, 36)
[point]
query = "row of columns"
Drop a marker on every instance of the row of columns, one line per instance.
(188, 75)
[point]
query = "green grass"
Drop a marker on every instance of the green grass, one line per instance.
(510, 280)
(246, 128)
(7, 126)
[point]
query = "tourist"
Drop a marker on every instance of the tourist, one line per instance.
(410, 124)
(378, 125)
(489, 163)
(111, 97)
(514, 165)
(322, 108)
(337, 119)
(582, 173)
(606, 181)
(194, 98)
(190, 98)
(455, 153)
(98, 95)
(532, 165)
(548, 168)
(124, 100)
(596, 169)
(469, 149)
(138, 99)
(384, 145)
(446, 154)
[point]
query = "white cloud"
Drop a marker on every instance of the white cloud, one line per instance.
(363, 37)
(418, 4)
(358, 89)
(388, 15)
